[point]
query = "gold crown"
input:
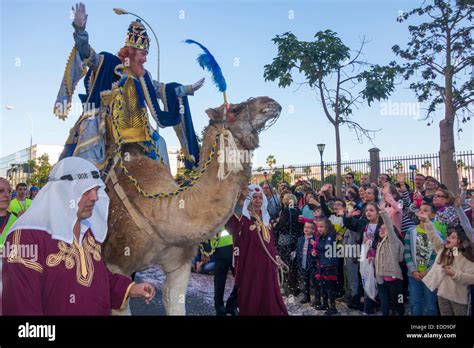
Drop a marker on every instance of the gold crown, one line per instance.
(137, 36)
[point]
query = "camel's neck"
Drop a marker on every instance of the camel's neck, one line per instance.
(210, 202)
(208, 140)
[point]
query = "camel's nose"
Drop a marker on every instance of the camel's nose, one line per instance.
(277, 106)
(271, 103)
(274, 105)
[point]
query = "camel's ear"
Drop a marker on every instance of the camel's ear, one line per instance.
(214, 114)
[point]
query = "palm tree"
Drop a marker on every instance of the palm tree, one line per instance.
(271, 161)
(426, 166)
(398, 166)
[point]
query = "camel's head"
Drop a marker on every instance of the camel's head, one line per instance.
(246, 120)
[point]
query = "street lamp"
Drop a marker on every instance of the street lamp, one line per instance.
(321, 148)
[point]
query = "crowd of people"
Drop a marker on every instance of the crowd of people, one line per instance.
(376, 246)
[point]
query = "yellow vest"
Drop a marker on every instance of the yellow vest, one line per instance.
(16, 207)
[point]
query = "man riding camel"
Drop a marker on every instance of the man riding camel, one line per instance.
(119, 95)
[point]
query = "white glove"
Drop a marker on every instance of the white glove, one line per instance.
(195, 86)
(80, 16)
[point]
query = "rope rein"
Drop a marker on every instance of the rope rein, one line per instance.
(281, 265)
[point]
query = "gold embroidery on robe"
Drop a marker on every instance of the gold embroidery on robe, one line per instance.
(132, 119)
(13, 256)
(262, 228)
(77, 256)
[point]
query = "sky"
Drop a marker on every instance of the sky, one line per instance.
(36, 39)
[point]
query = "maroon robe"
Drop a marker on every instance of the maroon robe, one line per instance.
(256, 279)
(62, 279)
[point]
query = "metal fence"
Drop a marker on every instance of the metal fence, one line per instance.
(427, 164)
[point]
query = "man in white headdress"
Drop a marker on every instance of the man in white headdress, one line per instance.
(54, 264)
(256, 265)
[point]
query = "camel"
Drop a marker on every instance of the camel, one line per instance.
(179, 223)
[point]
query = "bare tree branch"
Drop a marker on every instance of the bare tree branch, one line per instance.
(360, 131)
(359, 52)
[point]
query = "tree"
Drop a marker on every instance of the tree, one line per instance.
(441, 49)
(271, 161)
(278, 177)
(340, 80)
(40, 169)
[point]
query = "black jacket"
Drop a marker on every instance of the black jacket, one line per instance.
(288, 225)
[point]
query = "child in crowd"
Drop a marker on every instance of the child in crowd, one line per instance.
(367, 226)
(420, 257)
(327, 257)
(387, 267)
(453, 270)
(305, 259)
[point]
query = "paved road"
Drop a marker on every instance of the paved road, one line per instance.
(200, 297)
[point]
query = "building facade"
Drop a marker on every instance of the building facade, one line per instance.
(15, 168)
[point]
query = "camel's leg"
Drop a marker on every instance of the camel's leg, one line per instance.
(177, 268)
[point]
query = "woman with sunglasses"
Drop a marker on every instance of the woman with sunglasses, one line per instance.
(443, 200)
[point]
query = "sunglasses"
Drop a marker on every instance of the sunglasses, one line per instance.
(440, 196)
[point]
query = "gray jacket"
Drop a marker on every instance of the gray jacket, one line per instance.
(389, 252)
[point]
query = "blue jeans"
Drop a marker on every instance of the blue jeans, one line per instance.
(208, 267)
(422, 300)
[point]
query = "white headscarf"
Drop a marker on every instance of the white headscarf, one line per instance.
(253, 189)
(54, 209)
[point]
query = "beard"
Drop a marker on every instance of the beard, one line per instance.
(137, 68)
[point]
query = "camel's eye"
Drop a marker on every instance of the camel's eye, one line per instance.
(236, 109)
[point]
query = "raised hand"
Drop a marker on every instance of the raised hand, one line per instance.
(457, 201)
(80, 16)
(382, 205)
(386, 188)
(423, 217)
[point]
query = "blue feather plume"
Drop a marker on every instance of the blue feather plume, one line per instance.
(207, 61)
